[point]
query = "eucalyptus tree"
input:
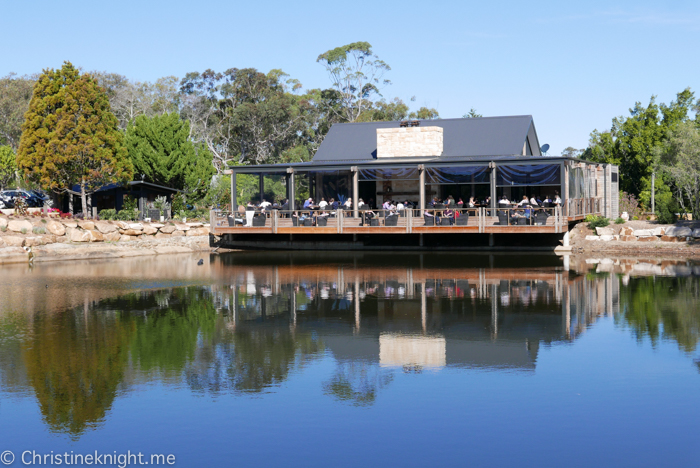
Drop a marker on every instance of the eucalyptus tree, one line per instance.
(357, 74)
(15, 94)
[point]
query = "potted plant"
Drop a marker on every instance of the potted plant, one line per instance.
(161, 204)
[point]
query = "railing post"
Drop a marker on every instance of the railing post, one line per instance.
(273, 220)
(409, 220)
(339, 217)
(212, 221)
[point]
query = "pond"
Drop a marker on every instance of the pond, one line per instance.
(351, 359)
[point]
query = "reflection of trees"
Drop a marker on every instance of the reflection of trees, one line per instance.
(165, 337)
(75, 361)
(250, 360)
(663, 308)
(357, 382)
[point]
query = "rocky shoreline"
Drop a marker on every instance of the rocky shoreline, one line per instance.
(39, 239)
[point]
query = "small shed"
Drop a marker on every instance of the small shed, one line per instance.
(112, 196)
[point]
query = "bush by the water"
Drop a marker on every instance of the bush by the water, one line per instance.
(109, 215)
(597, 221)
(619, 221)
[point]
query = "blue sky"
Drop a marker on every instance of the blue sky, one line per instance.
(572, 65)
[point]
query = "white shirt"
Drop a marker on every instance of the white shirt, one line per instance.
(348, 203)
(400, 206)
(323, 204)
(265, 204)
(533, 202)
(503, 201)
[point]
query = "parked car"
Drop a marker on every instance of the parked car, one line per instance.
(6, 202)
(32, 200)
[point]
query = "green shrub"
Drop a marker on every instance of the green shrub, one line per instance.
(24, 230)
(619, 221)
(130, 204)
(127, 215)
(596, 221)
(108, 214)
(43, 220)
(3, 228)
(39, 230)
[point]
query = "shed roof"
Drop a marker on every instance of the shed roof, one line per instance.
(484, 136)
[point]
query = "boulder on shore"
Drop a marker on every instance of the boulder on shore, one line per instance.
(17, 225)
(55, 228)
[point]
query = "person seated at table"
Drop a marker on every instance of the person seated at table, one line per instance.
(557, 199)
(472, 203)
(449, 214)
(504, 200)
(547, 199)
(322, 204)
(334, 204)
(524, 201)
(308, 203)
(533, 201)
(361, 204)
(400, 206)
(460, 203)
(450, 201)
(434, 201)
(264, 204)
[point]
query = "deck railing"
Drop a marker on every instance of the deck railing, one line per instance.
(477, 220)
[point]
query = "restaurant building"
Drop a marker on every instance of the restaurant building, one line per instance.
(484, 159)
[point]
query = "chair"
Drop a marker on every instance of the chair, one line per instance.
(502, 218)
(522, 221)
(462, 220)
(429, 220)
(322, 221)
(308, 222)
(391, 220)
(295, 221)
(540, 218)
(232, 222)
(446, 221)
(374, 222)
(259, 221)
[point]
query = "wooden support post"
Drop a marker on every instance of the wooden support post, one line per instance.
(261, 186)
(355, 190)
(421, 192)
(290, 188)
(234, 193)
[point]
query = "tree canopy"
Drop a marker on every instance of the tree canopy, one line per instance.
(8, 166)
(70, 136)
(161, 151)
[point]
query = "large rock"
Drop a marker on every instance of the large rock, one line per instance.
(679, 231)
(592, 238)
(122, 225)
(607, 237)
(167, 229)
(643, 233)
(647, 239)
(628, 238)
(130, 232)
(136, 226)
(86, 225)
(13, 241)
(182, 227)
(17, 225)
(605, 231)
(177, 234)
(198, 232)
(157, 225)
(70, 223)
(34, 241)
(55, 228)
(77, 235)
(659, 231)
(149, 230)
(111, 236)
(626, 231)
(162, 235)
(195, 225)
(125, 238)
(96, 236)
(105, 228)
(696, 233)
(3, 223)
(670, 239)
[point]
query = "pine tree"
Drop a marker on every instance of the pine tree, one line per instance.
(160, 150)
(70, 136)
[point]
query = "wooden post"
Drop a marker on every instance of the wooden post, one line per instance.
(290, 188)
(261, 185)
(234, 194)
(421, 190)
(355, 190)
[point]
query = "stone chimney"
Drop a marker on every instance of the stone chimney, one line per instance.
(409, 141)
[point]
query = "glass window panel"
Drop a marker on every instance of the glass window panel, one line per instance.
(457, 175)
(399, 173)
(536, 174)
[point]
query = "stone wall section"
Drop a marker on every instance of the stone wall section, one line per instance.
(409, 141)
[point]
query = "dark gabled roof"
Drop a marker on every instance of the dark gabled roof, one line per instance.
(485, 136)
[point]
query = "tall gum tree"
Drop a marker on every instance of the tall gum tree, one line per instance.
(70, 136)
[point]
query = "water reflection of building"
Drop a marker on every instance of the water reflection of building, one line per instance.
(420, 316)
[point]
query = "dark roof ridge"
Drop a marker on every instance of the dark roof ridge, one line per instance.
(437, 120)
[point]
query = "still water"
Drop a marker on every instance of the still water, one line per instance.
(276, 359)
